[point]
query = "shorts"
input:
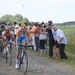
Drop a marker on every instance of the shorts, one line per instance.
(56, 44)
(9, 39)
(42, 44)
(21, 39)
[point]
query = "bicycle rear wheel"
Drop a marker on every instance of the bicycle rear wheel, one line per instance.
(10, 58)
(24, 63)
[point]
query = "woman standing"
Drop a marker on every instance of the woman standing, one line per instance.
(42, 38)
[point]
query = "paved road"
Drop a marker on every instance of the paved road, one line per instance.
(37, 66)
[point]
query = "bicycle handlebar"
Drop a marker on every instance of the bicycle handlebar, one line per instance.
(26, 45)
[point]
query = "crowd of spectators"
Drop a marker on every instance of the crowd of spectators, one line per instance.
(46, 38)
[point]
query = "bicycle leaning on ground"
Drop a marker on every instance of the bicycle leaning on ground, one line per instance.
(8, 52)
(23, 58)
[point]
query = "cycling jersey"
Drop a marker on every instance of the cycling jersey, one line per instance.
(21, 36)
(21, 33)
(8, 35)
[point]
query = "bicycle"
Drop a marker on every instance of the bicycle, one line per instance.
(8, 53)
(23, 58)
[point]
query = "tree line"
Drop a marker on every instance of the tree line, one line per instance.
(9, 19)
(66, 23)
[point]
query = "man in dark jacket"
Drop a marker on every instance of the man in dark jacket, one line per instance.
(51, 39)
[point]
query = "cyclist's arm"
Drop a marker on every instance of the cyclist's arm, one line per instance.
(18, 32)
(3, 35)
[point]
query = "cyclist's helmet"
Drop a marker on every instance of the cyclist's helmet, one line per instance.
(7, 28)
(23, 26)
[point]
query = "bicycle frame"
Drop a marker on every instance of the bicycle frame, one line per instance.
(21, 57)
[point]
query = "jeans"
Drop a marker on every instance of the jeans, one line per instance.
(37, 43)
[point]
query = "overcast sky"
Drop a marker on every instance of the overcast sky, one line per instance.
(40, 10)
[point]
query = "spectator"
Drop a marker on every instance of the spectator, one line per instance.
(43, 25)
(61, 40)
(30, 41)
(51, 39)
(3, 22)
(33, 35)
(42, 38)
(2, 26)
(37, 31)
(15, 28)
(25, 23)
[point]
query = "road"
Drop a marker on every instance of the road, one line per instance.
(37, 66)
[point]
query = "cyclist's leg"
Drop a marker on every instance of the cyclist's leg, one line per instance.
(10, 41)
(10, 52)
(18, 42)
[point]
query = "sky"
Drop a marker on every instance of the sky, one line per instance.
(58, 11)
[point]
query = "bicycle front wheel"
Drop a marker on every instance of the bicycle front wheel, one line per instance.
(10, 57)
(24, 64)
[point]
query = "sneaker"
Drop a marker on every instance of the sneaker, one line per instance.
(17, 66)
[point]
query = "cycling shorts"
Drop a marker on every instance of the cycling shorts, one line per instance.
(9, 39)
(20, 40)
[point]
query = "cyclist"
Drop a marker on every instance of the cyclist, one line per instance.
(7, 36)
(21, 36)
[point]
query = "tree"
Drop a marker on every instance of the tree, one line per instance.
(18, 18)
(7, 17)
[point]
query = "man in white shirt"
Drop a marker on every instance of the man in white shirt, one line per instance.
(15, 28)
(61, 40)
